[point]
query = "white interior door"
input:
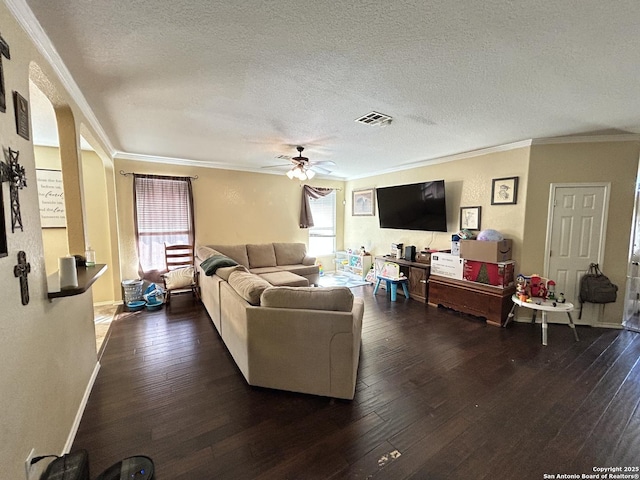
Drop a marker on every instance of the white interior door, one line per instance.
(575, 238)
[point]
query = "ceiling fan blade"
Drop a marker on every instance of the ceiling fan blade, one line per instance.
(281, 165)
(324, 162)
(318, 169)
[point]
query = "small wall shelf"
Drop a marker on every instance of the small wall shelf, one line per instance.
(86, 277)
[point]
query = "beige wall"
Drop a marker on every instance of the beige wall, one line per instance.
(614, 162)
(230, 207)
(97, 224)
(467, 183)
(48, 348)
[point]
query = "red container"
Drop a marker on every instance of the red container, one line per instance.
(496, 274)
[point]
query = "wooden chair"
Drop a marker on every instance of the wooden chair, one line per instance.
(181, 276)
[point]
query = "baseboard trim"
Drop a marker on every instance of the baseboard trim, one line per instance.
(615, 326)
(83, 405)
(108, 303)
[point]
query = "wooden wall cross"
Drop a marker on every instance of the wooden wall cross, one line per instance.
(4, 52)
(21, 270)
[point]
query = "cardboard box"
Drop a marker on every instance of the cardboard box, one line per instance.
(499, 274)
(447, 265)
(483, 251)
(423, 257)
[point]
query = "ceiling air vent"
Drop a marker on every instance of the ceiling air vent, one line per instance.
(375, 118)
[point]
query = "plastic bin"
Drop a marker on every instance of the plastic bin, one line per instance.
(131, 290)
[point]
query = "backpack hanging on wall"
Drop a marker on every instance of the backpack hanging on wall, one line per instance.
(595, 287)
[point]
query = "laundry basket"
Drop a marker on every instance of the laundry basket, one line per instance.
(131, 290)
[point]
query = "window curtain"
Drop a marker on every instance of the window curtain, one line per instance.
(306, 219)
(163, 212)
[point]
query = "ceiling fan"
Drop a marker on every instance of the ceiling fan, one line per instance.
(302, 168)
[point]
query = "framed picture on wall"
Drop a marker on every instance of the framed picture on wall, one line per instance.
(51, 198)
(470, 218)
(504, 191)
(363, 202)
(21, 108)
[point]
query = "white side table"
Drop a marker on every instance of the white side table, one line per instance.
(544, 306)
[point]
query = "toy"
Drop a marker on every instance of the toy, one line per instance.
(465, 234)
(490, 235)
(561, 298)
(537, 287)
(521, 287)
(551, 290)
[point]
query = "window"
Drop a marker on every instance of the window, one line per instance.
(322, 236)
(163, 214)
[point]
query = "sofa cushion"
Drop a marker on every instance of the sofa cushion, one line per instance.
(248, 286)
(284, 278)
(301, 269)
(263, 270)
(203, 252)
(225, 272)
(237, 252)
(337, 299)
(213, 263)
(261, 255)
(289, 253)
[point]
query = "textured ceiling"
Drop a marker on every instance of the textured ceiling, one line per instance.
(237, 83)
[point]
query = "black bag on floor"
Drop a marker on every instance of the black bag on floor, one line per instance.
(595, 287)
(72, 466)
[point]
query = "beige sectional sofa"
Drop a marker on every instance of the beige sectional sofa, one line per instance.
(301, 339)
(268, 258)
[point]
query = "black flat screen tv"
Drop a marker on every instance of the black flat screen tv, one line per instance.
(418, 206)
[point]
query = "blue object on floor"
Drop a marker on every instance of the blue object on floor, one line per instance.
(136, 305)
(392, 286)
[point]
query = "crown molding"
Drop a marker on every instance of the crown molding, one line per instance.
(27, 20)
(627, 137)
(624, 137)
(137, 157)
(449, 158)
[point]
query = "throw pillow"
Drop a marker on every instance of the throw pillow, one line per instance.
(179, 278)
(213, 263)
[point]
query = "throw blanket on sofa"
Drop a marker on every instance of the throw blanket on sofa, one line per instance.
(213, 263)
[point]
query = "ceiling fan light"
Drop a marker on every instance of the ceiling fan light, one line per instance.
(291, 173)
(302, 176)
(310, 174)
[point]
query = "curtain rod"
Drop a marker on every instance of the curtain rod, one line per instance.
(126, 174)
(333, 188)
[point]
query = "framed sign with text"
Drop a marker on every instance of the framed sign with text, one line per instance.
(51, 198)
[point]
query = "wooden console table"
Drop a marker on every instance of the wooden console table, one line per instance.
(474, 298)
(416, 273)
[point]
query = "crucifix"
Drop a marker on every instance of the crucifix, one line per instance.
(4, 52)
(21, 270)
(15, 174)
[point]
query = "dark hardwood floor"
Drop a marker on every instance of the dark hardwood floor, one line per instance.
(439, 395)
